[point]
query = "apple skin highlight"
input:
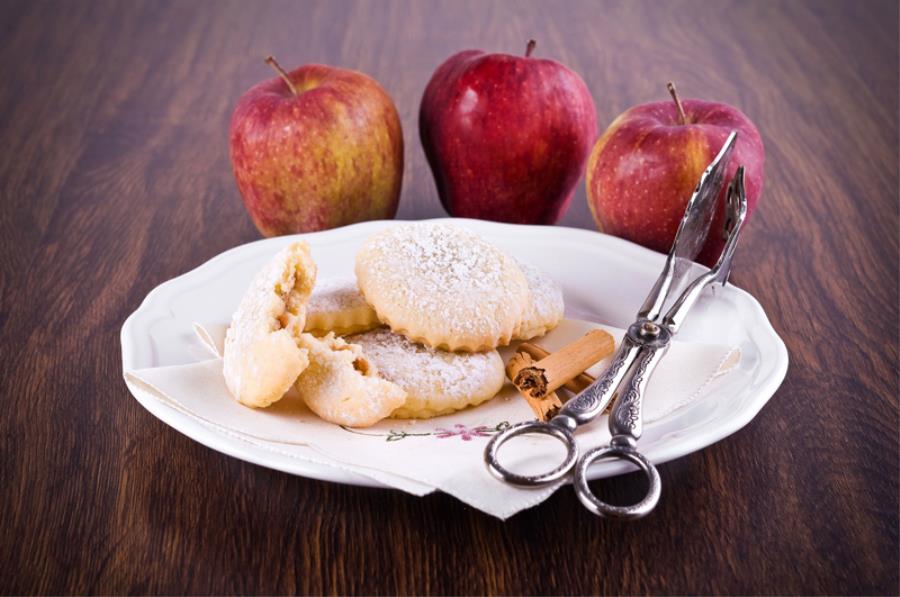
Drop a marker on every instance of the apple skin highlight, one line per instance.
(328, 156)
(507, 137)
(643, 170)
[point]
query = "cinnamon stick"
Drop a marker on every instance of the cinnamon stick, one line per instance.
(576, 385)
(546, 407)
(537, 374)
(554, 370)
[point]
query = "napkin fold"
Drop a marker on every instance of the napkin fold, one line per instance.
(419, 456)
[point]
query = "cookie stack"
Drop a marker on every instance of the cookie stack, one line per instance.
(415, 335)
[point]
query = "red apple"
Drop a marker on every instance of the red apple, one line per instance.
(643, 170)
(316, 148)
(506, 136)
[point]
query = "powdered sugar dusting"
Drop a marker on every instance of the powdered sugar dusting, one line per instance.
(443, 284)
(335, 294)
(435, 381)
(261, 358)
(546, 308)
(338, 306)
(339, 386)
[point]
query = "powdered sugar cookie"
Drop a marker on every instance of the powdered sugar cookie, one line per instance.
(436, 382)
(338, 306)
(442, 285)
(342, 386)
(262, 357)
(545, 308)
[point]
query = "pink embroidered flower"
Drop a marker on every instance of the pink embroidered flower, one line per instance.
(463, 432)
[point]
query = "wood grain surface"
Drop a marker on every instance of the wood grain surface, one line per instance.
(115, 177)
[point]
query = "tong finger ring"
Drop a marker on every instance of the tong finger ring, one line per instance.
(618, 451)
(531, 427)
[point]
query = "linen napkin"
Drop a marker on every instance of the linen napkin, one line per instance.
(444, 453)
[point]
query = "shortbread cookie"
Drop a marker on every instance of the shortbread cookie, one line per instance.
(436, 382)
(545, 308)
(338, 306)
(442, 285)
(262, 356)
(342, 386)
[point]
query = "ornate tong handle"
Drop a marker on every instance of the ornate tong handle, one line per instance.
(625, 422)
(626, 426)
(593, 400)
(580, 410)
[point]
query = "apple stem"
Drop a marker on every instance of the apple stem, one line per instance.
(682, 119)
(281, 72)
(530, 48)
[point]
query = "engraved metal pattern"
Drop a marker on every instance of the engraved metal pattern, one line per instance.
(698, 214)
(627, 412)
(589, 401)
(736, 212)
(692, 233)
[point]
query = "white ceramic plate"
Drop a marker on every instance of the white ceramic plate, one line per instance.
(604, 279)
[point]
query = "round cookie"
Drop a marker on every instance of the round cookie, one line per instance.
(342, 386)
(546, 307)
(442, 285)
(261, 357)
(338, 306)
(436, 382)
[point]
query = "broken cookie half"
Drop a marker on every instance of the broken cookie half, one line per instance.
(262, 354)
(267, 352)
(342, 386)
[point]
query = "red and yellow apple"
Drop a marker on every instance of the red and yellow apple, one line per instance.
(643, 169)
(506, 136)
(316, 148)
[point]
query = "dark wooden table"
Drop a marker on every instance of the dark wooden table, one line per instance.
(115, 177)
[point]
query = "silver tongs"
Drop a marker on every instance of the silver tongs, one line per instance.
(645, 343)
